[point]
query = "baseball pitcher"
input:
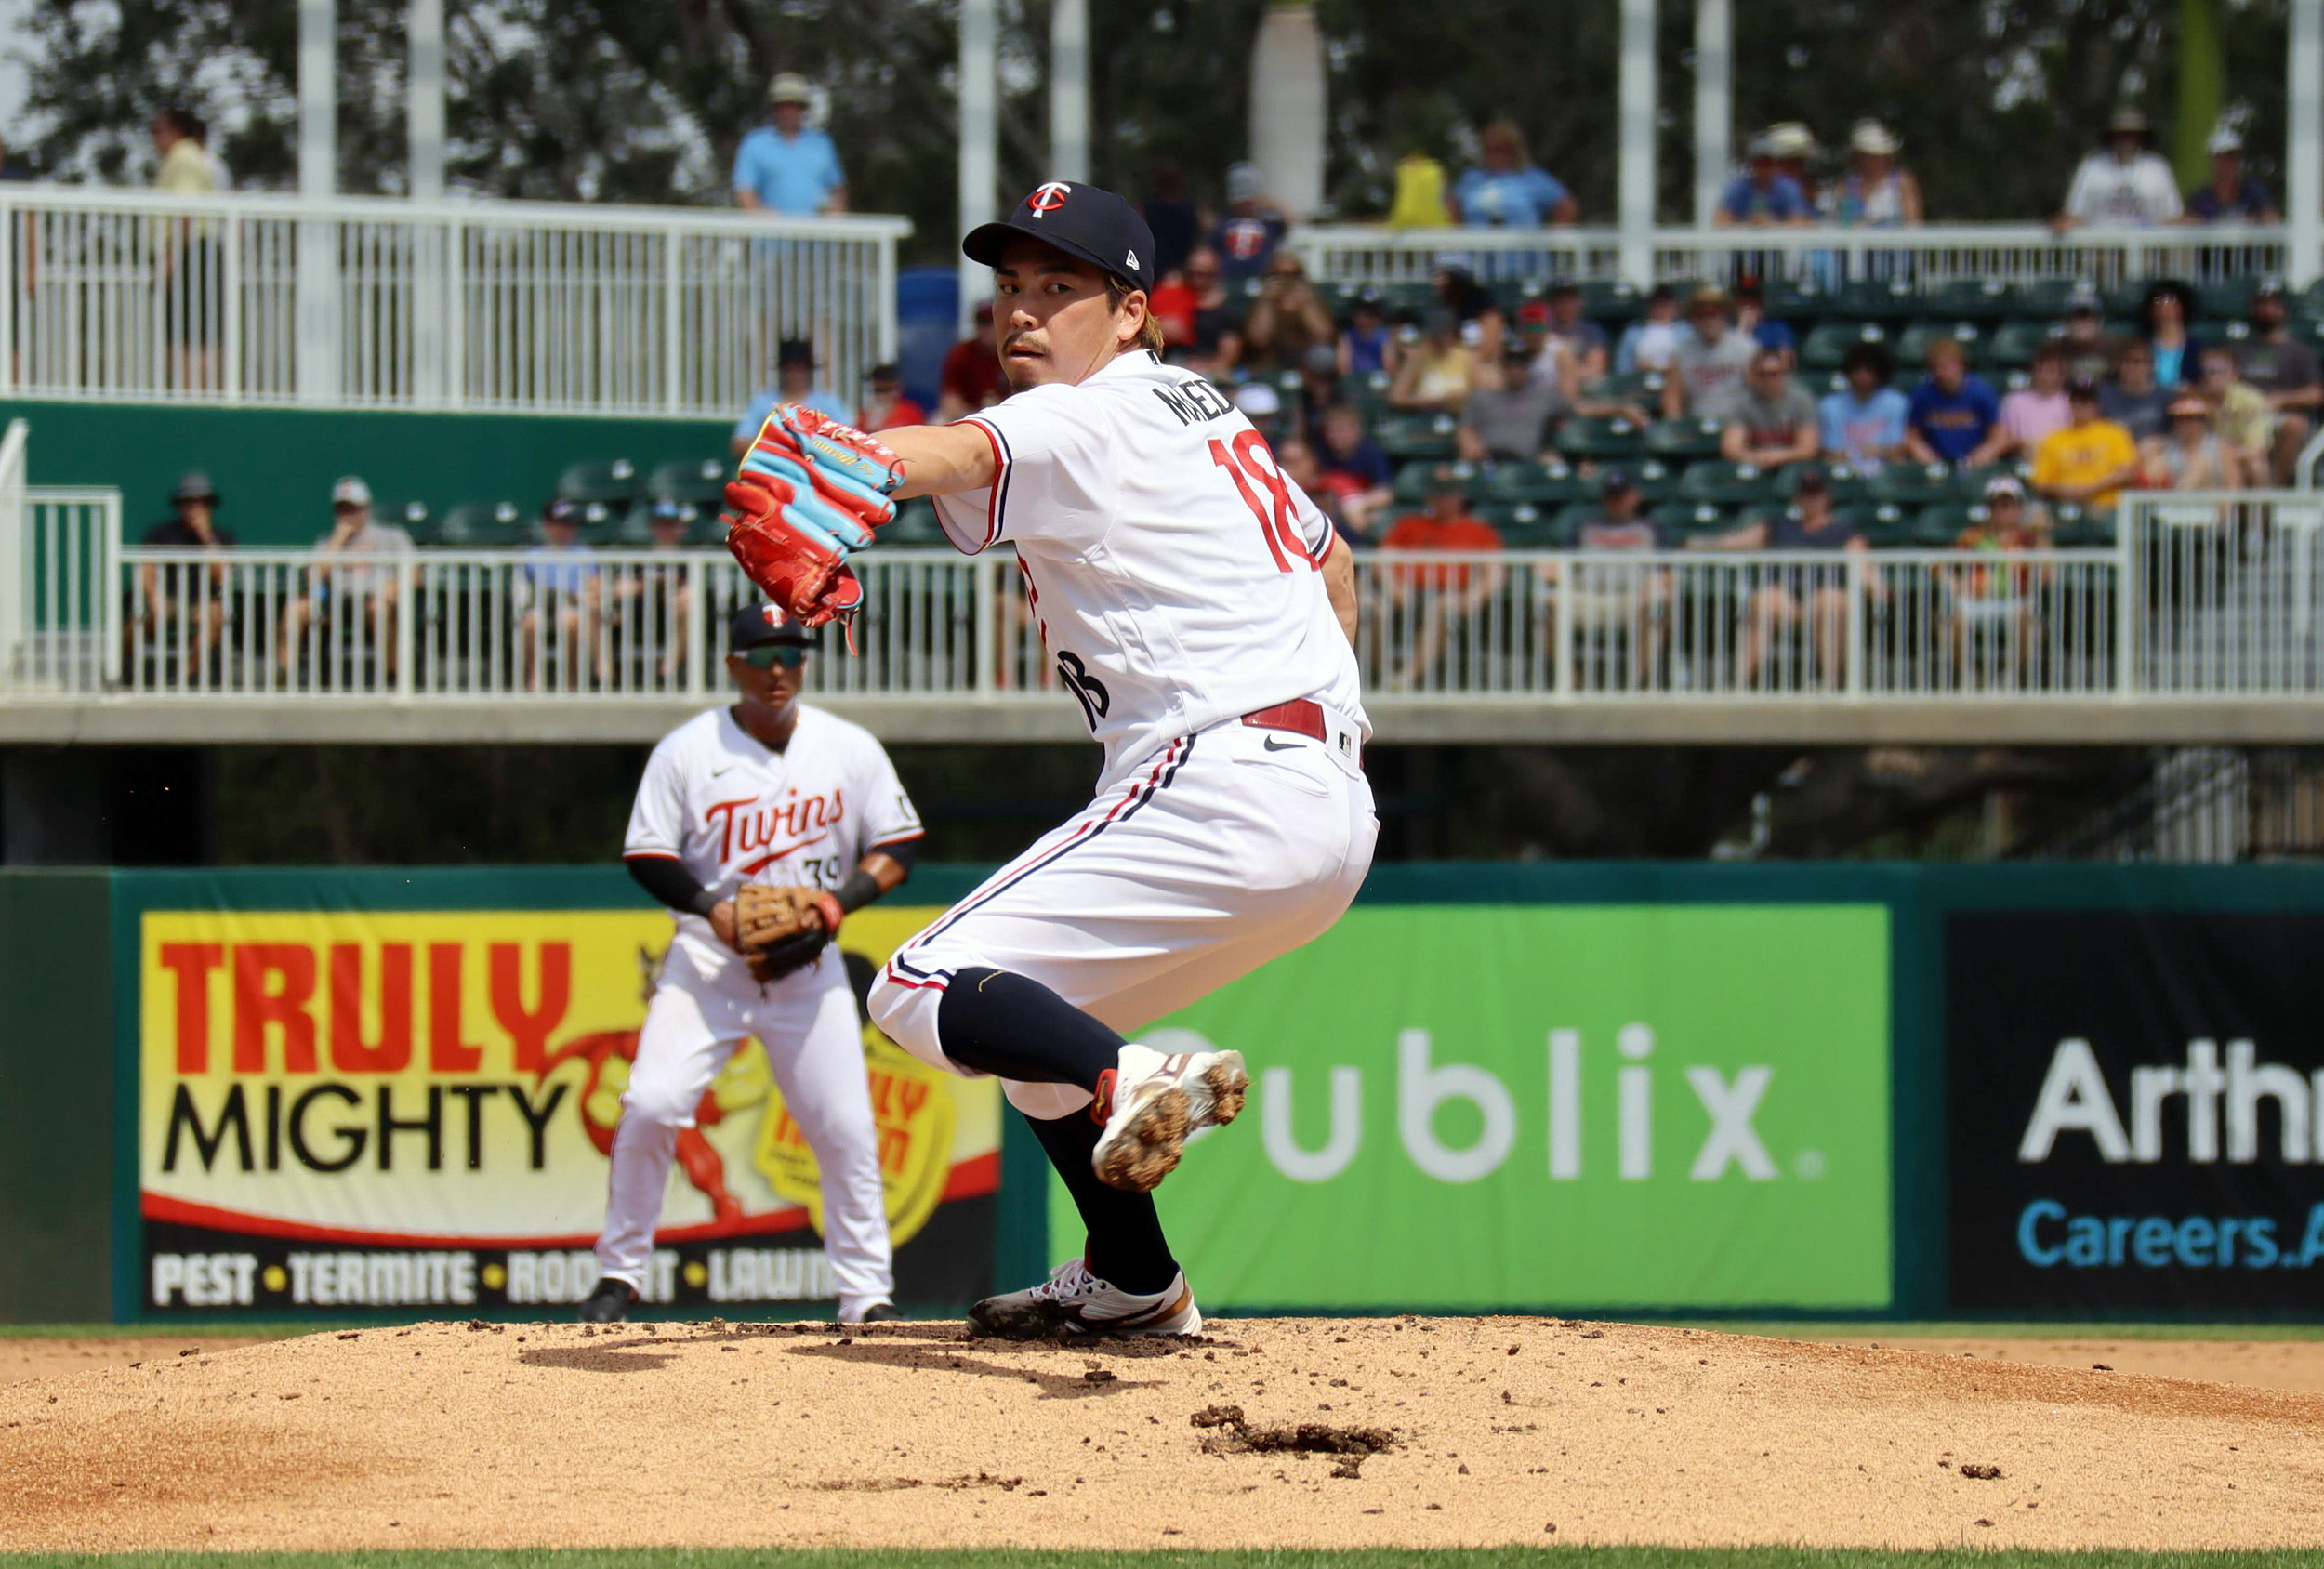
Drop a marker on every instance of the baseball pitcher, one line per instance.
(761, 826)
(1200, 611)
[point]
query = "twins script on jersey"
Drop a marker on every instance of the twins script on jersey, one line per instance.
(1175, 571)
(732, 812)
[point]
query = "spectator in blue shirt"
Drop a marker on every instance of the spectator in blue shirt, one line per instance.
(794, 383)
(787, 165)
(1863, 423)
(559, 590)
(2234, 195)
(1953, 415)
(1506, 192)
(1763, 194)
(1752, 320)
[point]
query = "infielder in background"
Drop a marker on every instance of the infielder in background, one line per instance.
(768, 794)
(1201, 614)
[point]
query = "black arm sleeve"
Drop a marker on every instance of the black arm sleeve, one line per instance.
(862, 887)
(670, 883)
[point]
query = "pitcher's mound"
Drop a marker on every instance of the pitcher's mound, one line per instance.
(1270, 1433)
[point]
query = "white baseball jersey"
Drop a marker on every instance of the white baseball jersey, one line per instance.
(1174, 569)
(731, 811)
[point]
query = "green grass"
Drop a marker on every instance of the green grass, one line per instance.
(1383, 1558)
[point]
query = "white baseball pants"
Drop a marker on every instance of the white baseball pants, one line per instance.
(807, 1022)
(1188, 870)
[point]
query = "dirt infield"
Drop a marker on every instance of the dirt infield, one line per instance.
(1402, 1432)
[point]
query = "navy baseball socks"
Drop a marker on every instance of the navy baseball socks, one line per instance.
(1147, 1103)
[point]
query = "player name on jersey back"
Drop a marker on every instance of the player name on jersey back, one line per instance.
(1174, 570)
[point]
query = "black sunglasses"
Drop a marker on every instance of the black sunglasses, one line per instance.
(766, 656)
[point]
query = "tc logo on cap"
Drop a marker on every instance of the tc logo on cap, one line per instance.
(775, 618)
(1050, 197)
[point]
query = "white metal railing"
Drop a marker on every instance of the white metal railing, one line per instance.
(1823, 256)
(375, 301)
(2226, 592)
(58, 625)
(2204, 597)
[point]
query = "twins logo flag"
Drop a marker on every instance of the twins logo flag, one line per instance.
(2134, 1112)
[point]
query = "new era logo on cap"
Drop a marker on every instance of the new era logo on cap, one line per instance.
(1131, 262)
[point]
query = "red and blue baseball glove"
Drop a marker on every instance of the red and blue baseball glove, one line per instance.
(809, 495)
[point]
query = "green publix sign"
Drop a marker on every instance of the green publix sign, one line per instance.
(1549, 1106)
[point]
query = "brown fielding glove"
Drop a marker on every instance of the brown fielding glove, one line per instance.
(781, 931)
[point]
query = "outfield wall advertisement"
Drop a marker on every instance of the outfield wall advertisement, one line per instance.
(2147, 1136)
(366, 1110)
(1502, 1106)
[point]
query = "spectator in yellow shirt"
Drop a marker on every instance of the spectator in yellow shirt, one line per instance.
(2090, 459)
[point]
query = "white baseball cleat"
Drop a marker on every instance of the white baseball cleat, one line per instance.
(1157, 1101)
(1073, 1301)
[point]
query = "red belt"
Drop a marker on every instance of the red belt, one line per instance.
(1300, 716)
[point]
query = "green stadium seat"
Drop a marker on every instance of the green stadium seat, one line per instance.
(415, 518)
(1408, 299)
(1884, 299)
(613, 482)
(1600, 437)
(2043, 297)
(1969, 483)
(2012, 346)
(1610, 300)
(1913, 484)
(1637, 386)
(1788, 300)
(484, 523)
(1406, 438)
(601, 520)
(1885, 525)
(1551, 482)
(1656, 480)
(2309, 302)
(2074, 527)
(1727, 484)
(1975, 299)
(1685, 520)
(1684, 440)
(1938, 527)
(1521, 525)
(1565, 526)
(701, 480)
(1413, 480)
(2226, 299)
(2309, 330)
(1912, 344)
(1830, 341)
(1844, 483)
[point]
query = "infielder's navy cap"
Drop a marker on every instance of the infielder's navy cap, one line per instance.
(1082, 220)
(755, 624)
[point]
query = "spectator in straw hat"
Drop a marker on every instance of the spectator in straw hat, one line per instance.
(1874, 194)
(2124, 184)
(787, 165)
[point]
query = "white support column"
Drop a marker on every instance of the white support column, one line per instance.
(318, 301)
(1714, 103)
(979, 136)
(424, 118)
(2303, 158)
(1636, 176)
(1069, 90)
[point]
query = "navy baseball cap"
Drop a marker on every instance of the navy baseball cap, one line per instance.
(1084, 221)
(755, 624)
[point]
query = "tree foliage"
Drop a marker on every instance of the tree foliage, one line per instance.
(600, 100)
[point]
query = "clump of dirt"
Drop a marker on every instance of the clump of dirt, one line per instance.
(1233, 1434)
(1976, 1473)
